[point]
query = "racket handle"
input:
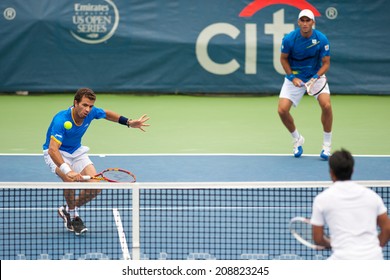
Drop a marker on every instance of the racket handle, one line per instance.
(86, 177)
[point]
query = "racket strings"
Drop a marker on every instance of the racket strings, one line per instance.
(317, 86)
(118, 176)
(304, 230)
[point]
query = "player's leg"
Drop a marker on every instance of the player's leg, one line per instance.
(87, 195)
(327, 114)
(82, 164)
(63, 211)
(67, 211)
(84, 197)
(284, 107)
(68, 194)
(291, 96)
(327, 122)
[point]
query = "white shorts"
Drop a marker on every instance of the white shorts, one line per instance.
(77, 161)
(295, 94)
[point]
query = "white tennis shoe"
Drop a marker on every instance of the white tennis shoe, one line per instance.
(297, 147)
(66, 217)
(325, 153)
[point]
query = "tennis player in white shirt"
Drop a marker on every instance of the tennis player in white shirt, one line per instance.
(352, 212)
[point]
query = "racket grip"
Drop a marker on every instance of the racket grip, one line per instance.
(86, 177)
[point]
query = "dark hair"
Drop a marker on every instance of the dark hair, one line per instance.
(341, 163)
(84, 92)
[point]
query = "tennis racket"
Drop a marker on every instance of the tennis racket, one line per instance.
(113, 175)
(315, 86)
(301, 229)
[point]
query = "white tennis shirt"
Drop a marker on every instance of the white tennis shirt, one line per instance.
(351, 212)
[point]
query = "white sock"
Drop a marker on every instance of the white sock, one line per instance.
(295, 134)
(72, 212)
(327, 138)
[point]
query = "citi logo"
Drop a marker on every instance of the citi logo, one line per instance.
(276, 29)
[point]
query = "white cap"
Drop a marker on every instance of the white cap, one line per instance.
(306, 13)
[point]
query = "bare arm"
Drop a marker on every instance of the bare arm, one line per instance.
(139, 123)
(320, 238)
(112, 116)
(54, 153)
(384, 224)
(285, 64)
(325, 66)
(287, 68)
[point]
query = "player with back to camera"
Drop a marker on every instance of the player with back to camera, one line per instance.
(67, 158)
(305, 55)
(352, 213)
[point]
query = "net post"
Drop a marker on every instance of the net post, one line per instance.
(135, 222)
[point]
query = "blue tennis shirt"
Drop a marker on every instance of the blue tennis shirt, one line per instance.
(70, 139)
(305, 54)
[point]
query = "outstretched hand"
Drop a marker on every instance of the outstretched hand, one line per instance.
(140, 123)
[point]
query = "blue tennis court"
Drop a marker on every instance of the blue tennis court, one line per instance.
(203, 168)
(186, 210)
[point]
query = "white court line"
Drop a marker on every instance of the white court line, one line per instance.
(121, 234)
(189, 154)
(85, 209)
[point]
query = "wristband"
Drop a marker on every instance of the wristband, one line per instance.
(65, 168)
(290, 77)
(123, 120)
(315, 76)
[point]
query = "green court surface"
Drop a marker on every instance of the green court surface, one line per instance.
(182, 124)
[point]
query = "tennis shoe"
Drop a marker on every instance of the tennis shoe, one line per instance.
(66, 217)
(297, 148)
(325, 153)
(78, 226)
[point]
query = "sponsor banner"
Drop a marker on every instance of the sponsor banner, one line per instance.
(184, 46)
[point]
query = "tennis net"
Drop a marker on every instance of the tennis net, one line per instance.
(224, 221)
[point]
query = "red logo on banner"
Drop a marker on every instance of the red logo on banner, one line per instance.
(257, 5)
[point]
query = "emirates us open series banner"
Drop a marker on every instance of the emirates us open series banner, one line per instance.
(185, 46)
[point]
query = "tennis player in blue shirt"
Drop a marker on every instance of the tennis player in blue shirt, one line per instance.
(305, 55)
(66, 157)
